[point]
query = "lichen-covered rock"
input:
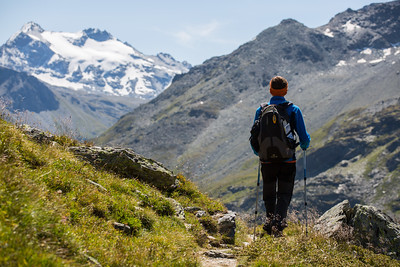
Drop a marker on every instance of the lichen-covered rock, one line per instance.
(38, 135)
(374, 228)
(333, 221)
(126, 163)
(364, 225)
(227, 225)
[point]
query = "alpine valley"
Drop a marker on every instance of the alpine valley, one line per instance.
(345, 76)
(89, 77)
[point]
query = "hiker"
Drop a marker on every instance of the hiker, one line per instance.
(278, 173)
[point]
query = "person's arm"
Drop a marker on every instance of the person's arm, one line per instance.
(258, 113)
(301, 129)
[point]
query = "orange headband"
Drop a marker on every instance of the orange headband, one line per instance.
(277, 92)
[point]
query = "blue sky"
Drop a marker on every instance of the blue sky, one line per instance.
(188, 30)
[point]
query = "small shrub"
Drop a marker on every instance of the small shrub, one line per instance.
(158, 203)
(134, 223)
(146, 218)
(64, 127)
(209, 224)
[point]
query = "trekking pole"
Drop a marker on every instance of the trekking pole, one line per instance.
(305, 187)
(255, 213)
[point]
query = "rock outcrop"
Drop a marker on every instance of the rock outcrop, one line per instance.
(126, 163)
(122, 161)
(227, 225)
(362, 225)
(38, 135)
(220, 223)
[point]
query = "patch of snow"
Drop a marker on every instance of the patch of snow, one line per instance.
(142, 87)
(342, 188)
(387, 52)
(376, 61)
(54, 58)
(367, 51)
(108, 89)
(58, 82)
(341, 63)
(361, 61)
(349, 27)
(328, 33)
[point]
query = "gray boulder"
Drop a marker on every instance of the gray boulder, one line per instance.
(126, 163)
(374, 228)
(334, 221)
(38, 135)
(122, 161)
(227, 225)
(362, 225)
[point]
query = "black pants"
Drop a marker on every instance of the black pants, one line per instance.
(278, 180)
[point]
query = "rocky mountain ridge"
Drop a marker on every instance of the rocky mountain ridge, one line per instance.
(25, 92)
(360, 161)
(201, 124)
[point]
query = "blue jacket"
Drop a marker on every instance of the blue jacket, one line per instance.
(300, 126)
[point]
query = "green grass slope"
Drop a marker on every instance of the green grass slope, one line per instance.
(51, 215)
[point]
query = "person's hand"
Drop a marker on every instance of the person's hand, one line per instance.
(304, 146)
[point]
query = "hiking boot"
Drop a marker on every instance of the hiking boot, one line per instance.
(277, 229)
(268, 228)
(276, 232)
(269, 224)
(281, 225)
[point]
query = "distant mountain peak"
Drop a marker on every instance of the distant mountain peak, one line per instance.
(289, 21)
(31, 27)
(97, 34)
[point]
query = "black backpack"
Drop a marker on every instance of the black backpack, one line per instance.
(272, 135)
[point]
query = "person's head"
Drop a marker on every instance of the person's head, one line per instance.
(278, 86)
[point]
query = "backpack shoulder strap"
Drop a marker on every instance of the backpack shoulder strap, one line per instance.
(291, 119)
(262, 106)
(282, 108)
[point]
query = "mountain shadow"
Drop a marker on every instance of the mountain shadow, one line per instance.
(25, 92)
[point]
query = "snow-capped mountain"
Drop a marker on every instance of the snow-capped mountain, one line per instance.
(90, 60)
